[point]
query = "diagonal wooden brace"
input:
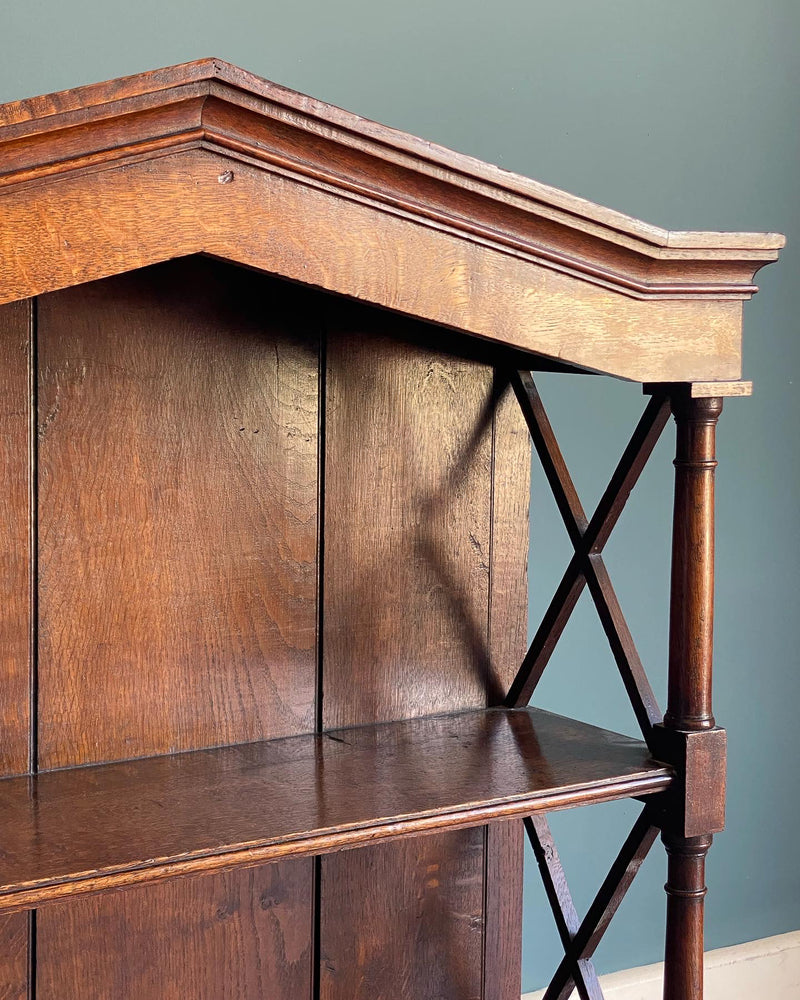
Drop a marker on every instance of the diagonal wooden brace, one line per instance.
(606, 903)
(588, 538)
(582, 974)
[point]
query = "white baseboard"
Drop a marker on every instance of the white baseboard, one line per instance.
(768, 969)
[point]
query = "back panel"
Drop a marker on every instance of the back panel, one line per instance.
(177, 528)
(212, 464)
(177, 513)
(425, 535)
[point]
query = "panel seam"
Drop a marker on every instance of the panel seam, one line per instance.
(316, 902)
(322, 354)
(33, 539)
(33, 591)
(485, 914)
(493, 476)
(489, 637)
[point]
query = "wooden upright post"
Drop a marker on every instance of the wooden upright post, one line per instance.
(689, 700)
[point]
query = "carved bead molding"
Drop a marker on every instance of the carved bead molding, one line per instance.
(206, 158)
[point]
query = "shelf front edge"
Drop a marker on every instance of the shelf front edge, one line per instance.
(108, 826)
(91, 883)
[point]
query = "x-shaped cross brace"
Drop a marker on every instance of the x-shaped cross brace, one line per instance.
(587, 567)
(588, 539)
(580, 940)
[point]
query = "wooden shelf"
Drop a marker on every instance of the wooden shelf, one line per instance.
(95, 828)
(267, 427)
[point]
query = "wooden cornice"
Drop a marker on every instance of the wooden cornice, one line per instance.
(197, 158)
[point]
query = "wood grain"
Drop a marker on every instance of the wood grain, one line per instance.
(502, 949)
(98, 224)
(16, 327)
(508, 602)
(686, 892)
(689, 719)
(238, 936)
(404, 920)
(14, 956)
(88, 829)
(196, 462)
(186, 460)
(695, 805)
(581, 970)
(313, 120)
(691, 630)
(508, 577)
(407, 528)
(581, 941)
(588, 538)
(704, 390)
(177, 514)
(700, 390)
(422, 524)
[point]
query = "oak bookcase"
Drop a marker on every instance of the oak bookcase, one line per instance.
(267, 414)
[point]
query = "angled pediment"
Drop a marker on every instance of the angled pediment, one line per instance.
(206, 158)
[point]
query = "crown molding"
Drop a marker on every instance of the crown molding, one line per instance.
(106, 150)
(218, 106)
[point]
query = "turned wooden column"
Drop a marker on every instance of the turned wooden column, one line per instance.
(689, 717)
(686, 891)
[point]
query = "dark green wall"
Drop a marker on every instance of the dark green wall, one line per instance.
(681, 112)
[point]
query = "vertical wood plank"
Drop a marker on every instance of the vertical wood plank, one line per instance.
(242, 935)
(511, 474)
(178, 424)
(177, 513)
(14, 956)
(404, 923)
(407, 526)
(423, 536)
(502, 967)
(16, 329)
(15, 553)
(508, 640)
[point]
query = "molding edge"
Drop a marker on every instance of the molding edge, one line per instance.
(238, 114)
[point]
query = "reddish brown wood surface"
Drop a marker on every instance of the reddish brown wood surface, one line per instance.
(692, 596)
(502, 947)
(580, 970)
(686, 891)
(85, 829)
(240, 100)
(576, 969)
(413, 579)
(15, 597)
(150, 210)
(237, 936)
(190, 444)
(177, 514)
(16, 667)
(14, 956)
(588, 538)
(508, 600)
(508, 573)
(404, 920)
(689, 734)
(207, 158)
(695, 805)
(408, 484)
